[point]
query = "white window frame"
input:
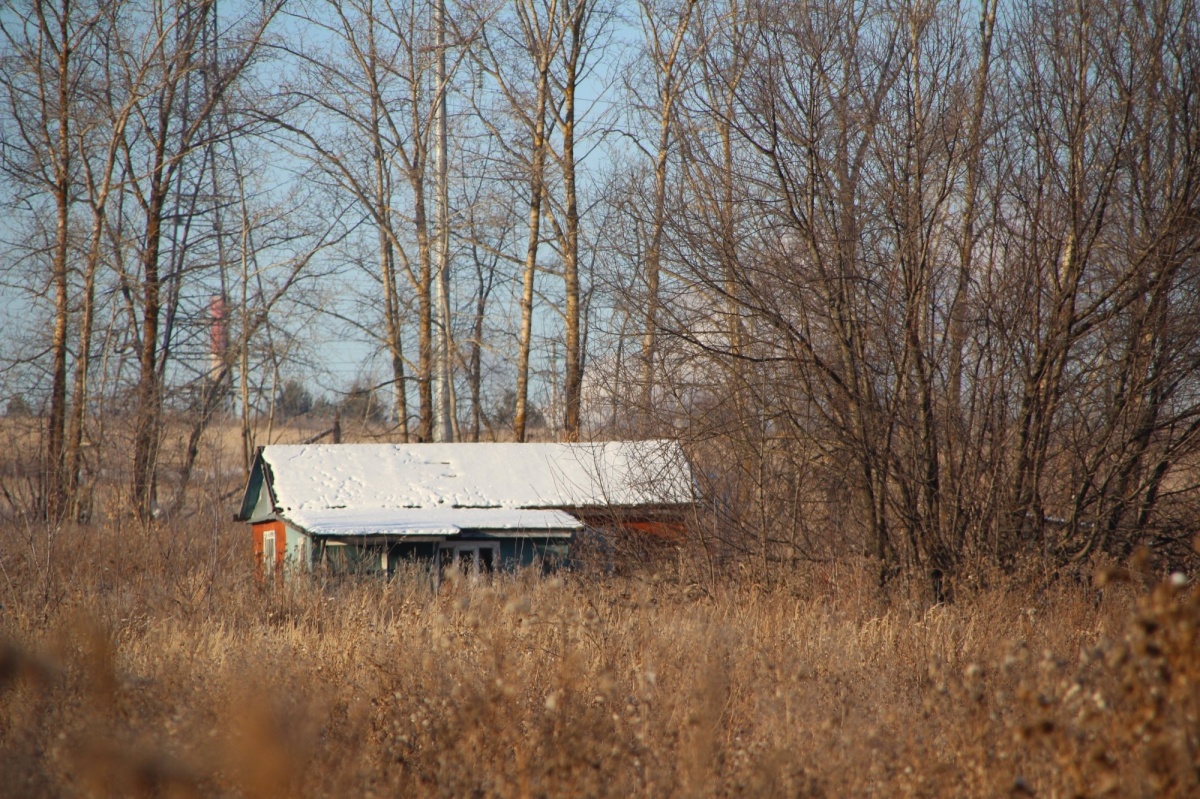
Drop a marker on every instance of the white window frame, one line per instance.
(460, 548)
(269, 553)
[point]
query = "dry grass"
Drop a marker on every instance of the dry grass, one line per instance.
(149, 663)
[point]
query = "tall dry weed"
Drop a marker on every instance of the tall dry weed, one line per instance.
(164, 669)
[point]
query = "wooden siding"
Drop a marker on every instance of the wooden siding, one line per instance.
(665, 530)
(280, 547)
(667, 525)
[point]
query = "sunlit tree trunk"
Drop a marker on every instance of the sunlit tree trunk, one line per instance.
(668, 73)
(39, 76)
(387, 254)
(537, 165)
(542, 47)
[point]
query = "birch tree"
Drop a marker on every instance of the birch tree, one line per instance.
(517, 55)
(160, 58)
(664, 30)
(48, 48)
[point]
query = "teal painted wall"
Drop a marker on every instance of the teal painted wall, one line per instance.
(520, 552)
(297, 556)
(515, 553)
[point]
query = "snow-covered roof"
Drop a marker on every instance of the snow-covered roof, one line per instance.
(430, 521)
(362, 481)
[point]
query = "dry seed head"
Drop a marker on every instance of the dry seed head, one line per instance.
(518, 605)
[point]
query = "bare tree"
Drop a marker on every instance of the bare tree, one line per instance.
(584, 22)
(1132, 406)
(48, 47)
(484, 240)
(915, 279)
(160, 59)
(517, 54)
(372, 84)
(665, 27)
(923, 271)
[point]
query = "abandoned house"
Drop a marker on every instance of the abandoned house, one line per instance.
(367, 507)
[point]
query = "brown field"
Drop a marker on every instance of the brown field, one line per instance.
(150, 663)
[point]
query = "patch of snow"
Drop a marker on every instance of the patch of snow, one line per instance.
(362, 477)
(428, 521)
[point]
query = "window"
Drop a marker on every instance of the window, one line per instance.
(341, 558)
(269, 553)
(469, 558)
